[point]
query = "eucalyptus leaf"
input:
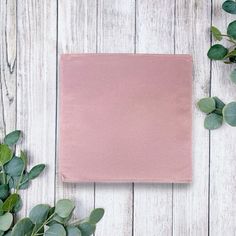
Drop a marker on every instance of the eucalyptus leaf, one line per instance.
(217, 52)
(36, 171)
(39, 213)
(14, 167)
(233, 76)
(73, 231)
(229, 113)
(207, 105)
(231, 30)
(5, 154)
(23, 158)
(213, 121)
(17, 206)
(10, 202)
(12, 138)
(4, 191)
(56, 229)
(216, 33)
(96, 215)
(1, 210)
(87, 229)
(229, 6)
(219, 106)
(64, 208)
(23, 227)
(6, 221)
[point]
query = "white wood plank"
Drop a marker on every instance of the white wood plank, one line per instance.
(223, 151)
(116, 31)
(155, 34)
(7, 66)
(36, 92)
(77, 34)
(190, 202)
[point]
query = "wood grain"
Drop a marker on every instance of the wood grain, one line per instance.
(76, 34)
(7, 66)
(36, 93)
(223, 151)
(33, 34)
(190, 202)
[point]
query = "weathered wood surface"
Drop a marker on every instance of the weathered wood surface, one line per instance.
(33, 34)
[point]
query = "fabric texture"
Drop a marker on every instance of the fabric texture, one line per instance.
(125, 118)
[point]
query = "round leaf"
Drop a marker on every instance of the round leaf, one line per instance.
(64, 208)
(229, 6)
(73, 231)
(39, 213)
(207, 105)
(23, 227)
(4, 191)
(233, 76)
(229, 113)
(217, 52)
(56, 229)
(6, 221)
(12, 138)
(17, 206)
(10, 202)
(5, 154)
(216, 33)
(36, 171)
(219, 106)
(14, 167)
(96, 215)
(87, 229)
(213, 121)
(231, 30)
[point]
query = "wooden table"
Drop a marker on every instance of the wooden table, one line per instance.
(33, 34)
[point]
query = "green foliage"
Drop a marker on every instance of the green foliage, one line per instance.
(229, 6)
(43, 219)
(214, 119)
(220, 52)
(207, 105)
(229, 113)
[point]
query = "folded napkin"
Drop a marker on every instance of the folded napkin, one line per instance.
(125, 118)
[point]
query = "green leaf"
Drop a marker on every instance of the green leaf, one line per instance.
(39, 213)
(10, 202)
(36, 171)
(4, 191)
(229, 113)
(213, 121)
(17, 206)
(206, 105)
(5, 154)
(6, 221)
(23, 158)
(231, 54)
(73, 231)
(233, 76)
(216, 33)
(12, 138)
(96, 215)
(87, 229)
(23, 227)
(217, 52)
(219, 106)
(14, 167)
(231, 30)
(1, 210)
(56, 229)
(229, 6)
(64, 208)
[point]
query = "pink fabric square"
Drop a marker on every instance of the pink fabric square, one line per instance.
(125, 118)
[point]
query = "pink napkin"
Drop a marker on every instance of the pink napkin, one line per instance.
(125, 118)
